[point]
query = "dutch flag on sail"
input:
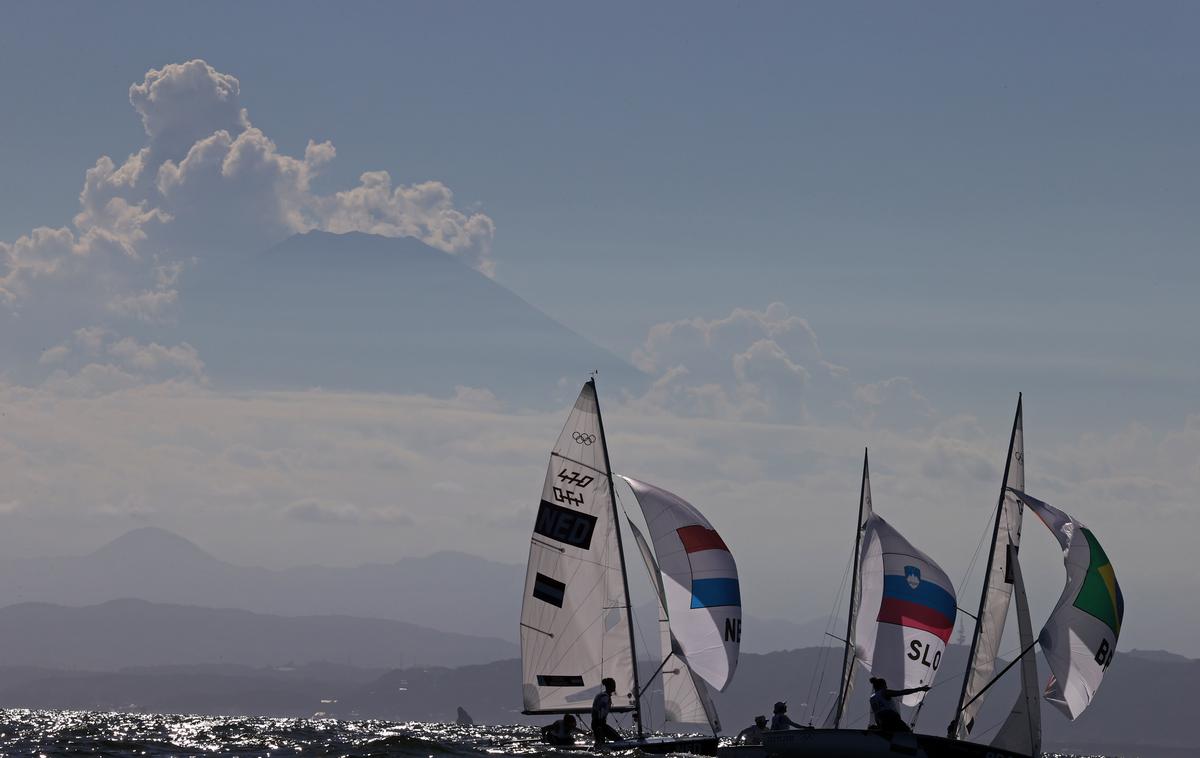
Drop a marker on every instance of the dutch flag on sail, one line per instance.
(714, 574)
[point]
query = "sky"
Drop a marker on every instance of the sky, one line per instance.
(848, 223)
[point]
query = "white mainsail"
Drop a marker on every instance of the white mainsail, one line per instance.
(700, 583)
(1080, 637)
(907, 610)
(685, 696)
(849, 658)
(574, 616)
(1022, 730)
(998, 587)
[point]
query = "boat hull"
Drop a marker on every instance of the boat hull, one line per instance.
(665, 745)
(855, 743)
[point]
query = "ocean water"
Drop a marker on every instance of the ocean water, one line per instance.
(77, 733)
(54, 733)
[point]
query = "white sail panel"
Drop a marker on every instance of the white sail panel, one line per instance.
(997, 592)
(1022, 730)
(907, 612)
(685, 696)
(700, 582)
(834, 719)
(1080, 637)
(574, 626)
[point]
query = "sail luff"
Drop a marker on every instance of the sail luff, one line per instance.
(1022, 731)
(989, 622)
(848, 656)
(637, 698)
(685, 697)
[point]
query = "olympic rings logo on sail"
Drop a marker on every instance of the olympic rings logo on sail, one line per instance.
(583, 438)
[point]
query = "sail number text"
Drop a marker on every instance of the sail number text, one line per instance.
(919, 651)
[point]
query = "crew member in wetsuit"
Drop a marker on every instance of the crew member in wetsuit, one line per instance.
(884, 709)
(780, 719)
(561, 732)
(752, 735)
(601, 705)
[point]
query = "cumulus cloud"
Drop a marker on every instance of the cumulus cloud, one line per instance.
(205, 183)
(97, 362)
(767, 365)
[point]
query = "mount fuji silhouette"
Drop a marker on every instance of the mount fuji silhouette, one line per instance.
(379, 314)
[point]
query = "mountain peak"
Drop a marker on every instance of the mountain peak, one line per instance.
(151, 543)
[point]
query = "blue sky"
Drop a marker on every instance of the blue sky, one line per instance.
(968, 199)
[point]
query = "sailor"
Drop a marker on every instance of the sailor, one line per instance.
(561, 732)
(601, 705)
(752, 735)
(780, 720)
(883, 708)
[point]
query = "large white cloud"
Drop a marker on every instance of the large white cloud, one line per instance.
(206, 183)
(767, 365)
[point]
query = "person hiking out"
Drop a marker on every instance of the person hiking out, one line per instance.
(752, 735)
(601, 705)
(884, 709)
(561, 732)
(780, 720)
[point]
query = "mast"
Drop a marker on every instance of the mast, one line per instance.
(986, 574)
(847, 657)
(612, 492)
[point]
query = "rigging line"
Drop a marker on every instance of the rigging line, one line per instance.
(656, 672)
(996, 678)
(823, 655)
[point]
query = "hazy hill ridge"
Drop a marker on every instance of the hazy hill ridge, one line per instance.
(450, 591)
(129, 633)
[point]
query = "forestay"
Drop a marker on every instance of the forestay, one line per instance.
(907, 610)
(574, 624)
(700, 583)
(685, 695)
(849, 656)
(1080, 637)
(998, 588)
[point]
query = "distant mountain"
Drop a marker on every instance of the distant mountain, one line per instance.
(362, 312)
(1140, 711)
(124, 633)
(449, 591)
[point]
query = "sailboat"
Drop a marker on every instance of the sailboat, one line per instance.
(1078, 639)
(902, 611)
(576, 620)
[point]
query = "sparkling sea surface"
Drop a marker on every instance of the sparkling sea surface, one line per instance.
(53, 733)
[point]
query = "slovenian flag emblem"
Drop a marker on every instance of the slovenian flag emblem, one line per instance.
(714, 574)
(918, 603)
